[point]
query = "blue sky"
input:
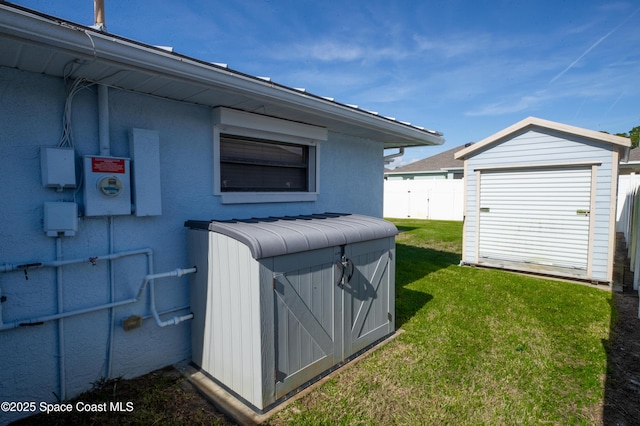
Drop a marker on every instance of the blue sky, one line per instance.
(467, 68)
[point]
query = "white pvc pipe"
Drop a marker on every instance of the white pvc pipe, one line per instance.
(10, 267)
(168, 311)
(93, 260)
(45, 318)
(150, 278)
(147, 279)
(112, 292)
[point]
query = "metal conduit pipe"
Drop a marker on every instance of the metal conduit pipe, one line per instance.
(103, 120)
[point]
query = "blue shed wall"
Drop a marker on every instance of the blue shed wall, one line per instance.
(538, 147)
(31, 115)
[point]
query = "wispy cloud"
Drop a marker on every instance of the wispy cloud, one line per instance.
(593, 46)
(508, 107)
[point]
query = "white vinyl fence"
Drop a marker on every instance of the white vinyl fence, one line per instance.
(628, 215)
(440, 199)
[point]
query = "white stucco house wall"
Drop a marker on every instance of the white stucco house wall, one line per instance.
(540, 197)
(93, 209)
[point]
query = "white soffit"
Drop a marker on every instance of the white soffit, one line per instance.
(35, 42)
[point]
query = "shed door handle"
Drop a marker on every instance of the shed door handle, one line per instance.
(342, 265)
(351, 269)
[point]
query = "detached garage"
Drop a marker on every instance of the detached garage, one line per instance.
(540, 197)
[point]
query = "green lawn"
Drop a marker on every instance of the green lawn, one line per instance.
(479, 347)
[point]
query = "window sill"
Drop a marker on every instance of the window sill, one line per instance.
(267, 197)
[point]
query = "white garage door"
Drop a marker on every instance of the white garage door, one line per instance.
(537, 217)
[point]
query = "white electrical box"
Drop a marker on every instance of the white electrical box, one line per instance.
(107, 186)
(58, 167)
(60, 218)
(144, 149)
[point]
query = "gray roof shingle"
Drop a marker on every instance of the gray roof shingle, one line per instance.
(444, 160)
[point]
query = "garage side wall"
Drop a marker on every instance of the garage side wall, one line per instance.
(540, 147)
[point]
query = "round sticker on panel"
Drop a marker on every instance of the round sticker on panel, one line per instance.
(110, 186)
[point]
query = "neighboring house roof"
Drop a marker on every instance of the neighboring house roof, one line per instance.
(634, 155)
(632, 163)
(622, 143)
(439, 162)
(35, 42)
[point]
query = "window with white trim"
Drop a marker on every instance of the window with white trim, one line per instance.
(263, 159)
(260, 165)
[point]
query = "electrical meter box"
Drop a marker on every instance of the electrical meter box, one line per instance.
(107, 186)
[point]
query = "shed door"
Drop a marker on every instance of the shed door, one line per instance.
(325, 313)
(367, 294)
(538, 217)
(307, 338)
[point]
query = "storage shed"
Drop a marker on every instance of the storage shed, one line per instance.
(279, 301)
(540, 197)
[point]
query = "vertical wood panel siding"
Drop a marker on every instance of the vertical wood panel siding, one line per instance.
(233, 329)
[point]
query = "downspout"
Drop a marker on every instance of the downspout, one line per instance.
(387, 158)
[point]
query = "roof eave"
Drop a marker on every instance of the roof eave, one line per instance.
(93, 45)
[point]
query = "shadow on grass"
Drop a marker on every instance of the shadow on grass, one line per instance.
(414, 263)
(622, 386)
(405, 228)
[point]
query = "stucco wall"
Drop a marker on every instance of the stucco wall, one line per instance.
(31, 117)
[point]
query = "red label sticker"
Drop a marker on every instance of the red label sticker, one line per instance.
(107, 165)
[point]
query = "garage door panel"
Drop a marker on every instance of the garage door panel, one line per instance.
(537, 216)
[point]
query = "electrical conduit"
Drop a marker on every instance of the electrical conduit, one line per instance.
(61, 349)
(148, 280)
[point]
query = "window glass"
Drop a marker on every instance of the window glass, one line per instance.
(257, 165)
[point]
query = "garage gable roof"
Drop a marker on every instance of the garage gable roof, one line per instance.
(530, 122)
(34, 42)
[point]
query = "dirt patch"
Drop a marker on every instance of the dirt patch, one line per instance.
(622, 387)
(162, 397)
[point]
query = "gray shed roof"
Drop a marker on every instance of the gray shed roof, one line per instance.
(275, 236)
